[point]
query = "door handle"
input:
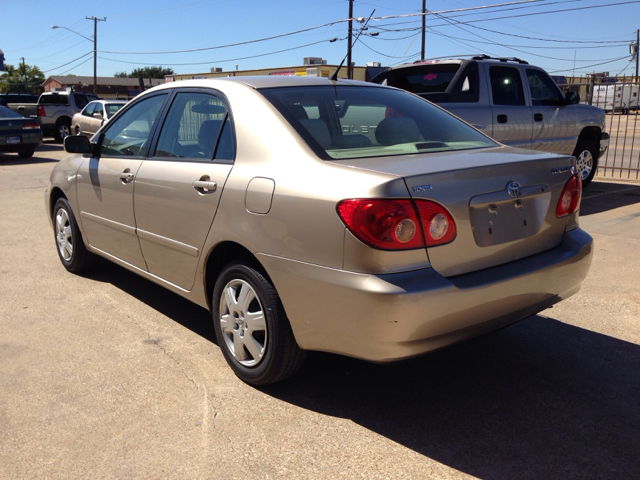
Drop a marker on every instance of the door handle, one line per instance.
(126, 176)
(204, 186)
(502, 118)
(537, 117)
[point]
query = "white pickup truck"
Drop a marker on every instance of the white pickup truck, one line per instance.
(511, 101)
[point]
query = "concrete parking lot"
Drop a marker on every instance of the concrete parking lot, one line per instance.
(109, 375)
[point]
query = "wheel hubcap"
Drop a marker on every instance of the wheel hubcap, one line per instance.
(584, 162)
(64, 238)
(243, 323)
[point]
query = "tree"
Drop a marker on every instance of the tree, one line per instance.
(21, 79)
(146, 72)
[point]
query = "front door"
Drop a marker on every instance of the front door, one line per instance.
(178, 189)
(554, 122)
(105, 183)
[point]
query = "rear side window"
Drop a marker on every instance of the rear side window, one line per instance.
(81, 100)
(55, 99)
(197, 126)
(506, 86)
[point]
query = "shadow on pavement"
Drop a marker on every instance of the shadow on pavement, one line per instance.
(603, 196)
(186, 313)
(540, 399)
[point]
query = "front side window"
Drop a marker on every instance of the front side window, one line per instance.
(543, 89)
(88, 110)
(98, 109)
(127, 135)
(506, 86)
(197, 126)
(359, 121)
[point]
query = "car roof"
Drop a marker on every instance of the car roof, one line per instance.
(265, 81)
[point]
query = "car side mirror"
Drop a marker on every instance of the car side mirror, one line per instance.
(97, 115)
(572, 98)
(77, 144)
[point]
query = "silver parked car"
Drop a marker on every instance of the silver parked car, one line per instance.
(94, 115)
(311, 214)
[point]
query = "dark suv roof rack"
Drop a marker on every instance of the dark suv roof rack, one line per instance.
(501, 59)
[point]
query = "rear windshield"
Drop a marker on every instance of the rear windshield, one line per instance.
(359, 121)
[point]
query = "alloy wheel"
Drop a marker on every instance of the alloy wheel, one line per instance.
(243, 323)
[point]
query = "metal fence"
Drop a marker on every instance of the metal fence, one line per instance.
(620, 102)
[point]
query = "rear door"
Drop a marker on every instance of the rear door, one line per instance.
(177, 190)
(512, 117)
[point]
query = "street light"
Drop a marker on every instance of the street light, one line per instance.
(95, 46)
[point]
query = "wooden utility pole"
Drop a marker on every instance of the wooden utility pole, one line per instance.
(637, 52)
(349, 69)
(424, 10)
(95, 50)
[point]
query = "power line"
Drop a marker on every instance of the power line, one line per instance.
(65, 64)
(226, 60)
(246, 42)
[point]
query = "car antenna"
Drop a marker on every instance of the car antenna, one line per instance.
(334, 75)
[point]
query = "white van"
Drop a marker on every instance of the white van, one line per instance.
(616, 97)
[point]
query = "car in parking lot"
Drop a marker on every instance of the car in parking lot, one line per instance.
(313, 214)
(18, 134)
(94, 115)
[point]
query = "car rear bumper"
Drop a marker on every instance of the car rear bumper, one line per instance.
(389, 317)
(28, 141)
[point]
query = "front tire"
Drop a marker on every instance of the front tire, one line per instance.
(252, 328)
(586, 161)
(71, 249)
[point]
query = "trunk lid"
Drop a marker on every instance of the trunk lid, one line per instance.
(503, 201)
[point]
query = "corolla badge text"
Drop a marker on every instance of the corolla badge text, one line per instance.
(422, 188)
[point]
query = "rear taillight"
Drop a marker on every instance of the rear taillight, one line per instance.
(41, 112)
(397, 224)
(30, 126)
(570, 197)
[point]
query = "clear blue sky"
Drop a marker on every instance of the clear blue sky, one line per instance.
(574, 35)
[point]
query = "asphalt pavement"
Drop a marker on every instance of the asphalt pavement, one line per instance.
(107, 375)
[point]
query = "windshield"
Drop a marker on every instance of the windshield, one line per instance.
(360, 121)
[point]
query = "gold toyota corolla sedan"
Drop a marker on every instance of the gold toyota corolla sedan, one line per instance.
(312, 214)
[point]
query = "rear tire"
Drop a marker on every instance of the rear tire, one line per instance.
(586, 161)
(71, 249)
(26, 153)
(62, 130)
(252, 328)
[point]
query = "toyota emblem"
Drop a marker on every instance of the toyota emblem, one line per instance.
(514, 189)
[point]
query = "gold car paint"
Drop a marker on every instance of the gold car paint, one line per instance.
(173, 217)
(107, 212)
(302, 244)
(390, 317)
